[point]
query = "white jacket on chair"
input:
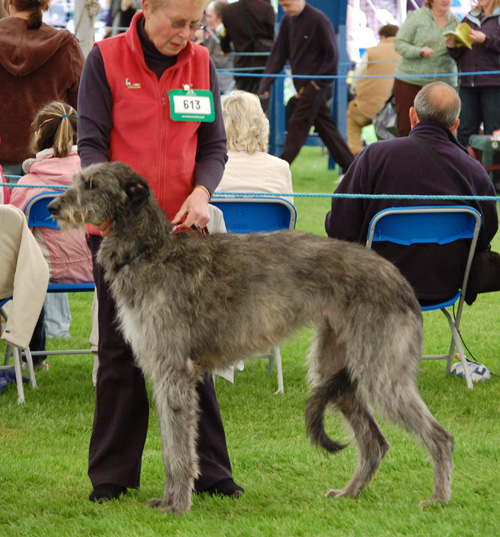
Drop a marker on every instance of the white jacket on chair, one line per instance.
(24, 275)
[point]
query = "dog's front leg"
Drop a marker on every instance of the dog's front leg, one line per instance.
(177, 407)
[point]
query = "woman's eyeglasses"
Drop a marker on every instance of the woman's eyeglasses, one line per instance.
(193, 26)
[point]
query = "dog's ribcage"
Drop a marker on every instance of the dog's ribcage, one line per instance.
(223, 297)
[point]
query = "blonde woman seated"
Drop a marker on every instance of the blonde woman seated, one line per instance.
(249, 167)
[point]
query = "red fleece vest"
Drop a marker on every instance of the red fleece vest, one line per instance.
(143, 135)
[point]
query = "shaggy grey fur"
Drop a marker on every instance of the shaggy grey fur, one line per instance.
(188, 304)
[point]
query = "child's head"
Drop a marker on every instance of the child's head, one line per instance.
(54, 127)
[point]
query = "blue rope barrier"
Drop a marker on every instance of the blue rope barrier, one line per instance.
(312, 195)
(335, 77)
(249, 53)
(359, 196)
(52, 187)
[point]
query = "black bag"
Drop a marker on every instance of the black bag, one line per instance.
(385, 122)
(484, 274)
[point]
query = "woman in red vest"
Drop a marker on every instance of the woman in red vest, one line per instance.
(129, 110)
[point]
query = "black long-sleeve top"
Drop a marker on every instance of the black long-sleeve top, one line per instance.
(309, 43)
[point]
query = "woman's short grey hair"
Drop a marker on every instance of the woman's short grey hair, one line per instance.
(439, 102)
(247, 127)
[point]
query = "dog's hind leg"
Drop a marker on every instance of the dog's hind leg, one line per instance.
(371, 442)
(334, 385)
(404, 405)
(177, 407)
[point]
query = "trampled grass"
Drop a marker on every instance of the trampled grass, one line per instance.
(44, 443)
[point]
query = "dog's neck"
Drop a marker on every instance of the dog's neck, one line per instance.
(144, 250)
(133, 235)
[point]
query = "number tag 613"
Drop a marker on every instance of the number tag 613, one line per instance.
(191, 105)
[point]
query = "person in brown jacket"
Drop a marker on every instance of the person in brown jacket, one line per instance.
(372, 93)
(38, 65)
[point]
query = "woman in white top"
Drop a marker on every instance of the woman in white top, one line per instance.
(249, 167)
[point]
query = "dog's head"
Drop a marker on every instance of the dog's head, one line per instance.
(110, 190)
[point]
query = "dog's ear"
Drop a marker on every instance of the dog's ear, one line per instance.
(138, 192)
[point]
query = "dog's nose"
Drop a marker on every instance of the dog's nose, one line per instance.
(53, 206)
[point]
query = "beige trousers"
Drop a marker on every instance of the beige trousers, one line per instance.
(355, 122)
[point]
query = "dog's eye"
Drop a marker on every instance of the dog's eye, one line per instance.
(88, 185)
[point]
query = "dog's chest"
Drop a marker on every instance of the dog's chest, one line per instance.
(136, 330)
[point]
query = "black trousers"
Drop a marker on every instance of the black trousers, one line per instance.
(311, 109)
(122, 408)
(38, 339)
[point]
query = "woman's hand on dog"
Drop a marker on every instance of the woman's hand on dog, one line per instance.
(194, 211)
(105, 227)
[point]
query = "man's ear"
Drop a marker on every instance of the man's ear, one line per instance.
(413, 117)
(455, 126)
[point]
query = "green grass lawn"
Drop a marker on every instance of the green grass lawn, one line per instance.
(44, 443)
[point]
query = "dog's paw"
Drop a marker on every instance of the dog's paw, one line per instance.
(433, 502)
(168, 508)
(155, 502)
(339, 494)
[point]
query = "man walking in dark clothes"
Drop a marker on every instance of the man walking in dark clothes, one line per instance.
(247, 22)
(306, 39)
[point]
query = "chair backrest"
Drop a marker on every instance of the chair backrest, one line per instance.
(425, 225)
(433, 224)
(246, 214)
(37, 213)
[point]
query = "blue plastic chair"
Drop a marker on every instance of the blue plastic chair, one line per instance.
(38, 215)
(247, 214)
(439, 225)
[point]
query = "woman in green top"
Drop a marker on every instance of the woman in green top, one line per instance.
(421, 44)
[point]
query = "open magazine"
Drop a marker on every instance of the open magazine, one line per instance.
(461, 35)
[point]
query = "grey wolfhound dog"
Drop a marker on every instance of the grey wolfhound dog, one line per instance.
(188, 304)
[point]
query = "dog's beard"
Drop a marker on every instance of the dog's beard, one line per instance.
(68, 218)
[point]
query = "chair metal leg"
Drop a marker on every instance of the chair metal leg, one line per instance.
(273, 356)
(456, 342)
(31, 369)
(279, 370)
(16, 353)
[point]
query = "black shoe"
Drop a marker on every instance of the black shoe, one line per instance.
(107, 491)
(225, 487)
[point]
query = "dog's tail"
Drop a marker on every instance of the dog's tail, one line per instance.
(330, 390)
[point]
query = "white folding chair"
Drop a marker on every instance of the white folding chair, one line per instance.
(23, 279)
(246, 214)
(14, 352)
(38, 215)
(439, 225)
